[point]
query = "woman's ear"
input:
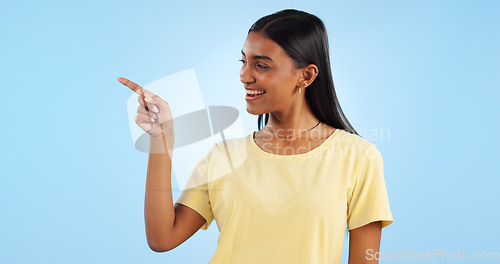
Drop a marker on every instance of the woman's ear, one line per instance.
(309, 74)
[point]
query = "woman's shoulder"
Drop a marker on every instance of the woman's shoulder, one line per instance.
(352, 142)
(228, 155)
(231, 141)
(231, 145)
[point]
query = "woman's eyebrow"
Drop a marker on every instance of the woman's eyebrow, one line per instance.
(258, 56)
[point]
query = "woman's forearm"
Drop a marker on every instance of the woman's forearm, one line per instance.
(159, 210)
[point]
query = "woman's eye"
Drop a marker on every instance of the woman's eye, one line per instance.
(258, 65)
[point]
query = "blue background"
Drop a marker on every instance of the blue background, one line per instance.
(72, 183)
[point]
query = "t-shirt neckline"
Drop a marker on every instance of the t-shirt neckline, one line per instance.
(260, 151)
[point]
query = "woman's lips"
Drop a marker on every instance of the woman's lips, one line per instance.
(249, 98)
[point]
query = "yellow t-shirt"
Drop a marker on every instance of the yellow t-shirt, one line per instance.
(288, 208)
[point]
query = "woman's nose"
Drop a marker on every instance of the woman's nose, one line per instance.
(246, 75)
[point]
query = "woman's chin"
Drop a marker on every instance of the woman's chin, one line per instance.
(254, 111)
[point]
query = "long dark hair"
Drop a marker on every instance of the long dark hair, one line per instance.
(303, 37)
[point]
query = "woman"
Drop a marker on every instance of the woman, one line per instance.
(285, 193)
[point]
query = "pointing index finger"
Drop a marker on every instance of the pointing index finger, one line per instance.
(135, 87)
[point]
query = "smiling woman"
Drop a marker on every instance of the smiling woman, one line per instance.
(285, 193)
(298, 43)
(267, 68)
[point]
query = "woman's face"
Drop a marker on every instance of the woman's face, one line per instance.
(266, 67)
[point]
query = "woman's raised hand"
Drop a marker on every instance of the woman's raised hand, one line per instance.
(153, 114)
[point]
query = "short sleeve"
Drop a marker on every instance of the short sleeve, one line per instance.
(196, 194)
(369, 201)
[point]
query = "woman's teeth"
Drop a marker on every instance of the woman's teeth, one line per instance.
(254, 92)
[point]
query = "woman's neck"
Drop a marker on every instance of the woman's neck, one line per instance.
(292, 123)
